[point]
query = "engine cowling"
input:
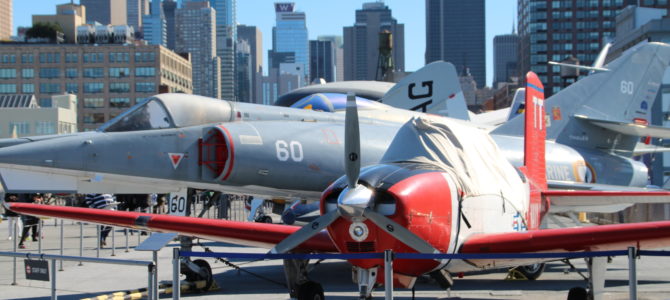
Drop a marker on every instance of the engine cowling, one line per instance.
(416, 197)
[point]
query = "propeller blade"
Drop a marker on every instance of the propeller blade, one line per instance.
(399, 232)
(306, 232)
(352, 143)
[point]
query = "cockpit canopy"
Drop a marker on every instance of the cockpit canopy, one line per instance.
(170, 111)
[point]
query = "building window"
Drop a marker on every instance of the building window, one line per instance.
(28, 73)
(145, 72)
(7, 88)
(71, 73)
(8, 58)
(27, 58)
(49, 88)
(94, 102)
(45, 102)
(94, 72)
(96, 57)
(119, 87)
(72, 88)
(71, 57)
(49, 72)
(119, 72)
(7, 73)
(119, 57)
(50, 58)
(93, 118)
(21, 128)
(145, 56)
(145, 87)
(119, 102)
(45, 127)
(28, 88)
(64, 127)
(94, 87)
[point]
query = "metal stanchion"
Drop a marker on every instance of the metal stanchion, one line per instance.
(155, 280)
(97, 242)
(53, 279)
(81, 241)
(61, 244)
(39, 236)
(127, 234)
(388, 274)
(14, 249)
(176, 265)
(150, 282)
(113, 241)
(632, 274)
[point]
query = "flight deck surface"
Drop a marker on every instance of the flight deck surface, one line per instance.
(91, 280)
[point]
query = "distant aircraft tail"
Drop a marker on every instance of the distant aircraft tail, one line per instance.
(534, 149)
(599, 110)
(433, 89)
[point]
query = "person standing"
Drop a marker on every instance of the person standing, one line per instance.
(101, 201)
(30, 222)
(14, 218)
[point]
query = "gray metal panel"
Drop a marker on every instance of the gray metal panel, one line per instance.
(156, 242)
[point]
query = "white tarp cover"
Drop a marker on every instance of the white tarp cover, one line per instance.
(466, 152)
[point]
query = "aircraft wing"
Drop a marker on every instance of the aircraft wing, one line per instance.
(241, 233)
(629, 128)
(602, 201)
(593, 238)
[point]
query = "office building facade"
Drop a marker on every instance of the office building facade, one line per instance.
(226, 36)
(170, 11)
(254, 38)
(69, 17)
(505, 58)
(321, 61)
(6, 15)
(336, 40)
(114, 12)
(107, 79)
(455, 32)
(21, 116)
(154, 26)
(196, 34)
(361, 42)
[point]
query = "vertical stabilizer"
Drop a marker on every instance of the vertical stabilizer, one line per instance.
(534, 165)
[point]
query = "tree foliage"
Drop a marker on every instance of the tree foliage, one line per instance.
(44, 30)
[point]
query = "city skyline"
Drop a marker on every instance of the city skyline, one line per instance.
(500, 17)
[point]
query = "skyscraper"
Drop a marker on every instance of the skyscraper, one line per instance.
(243, 72)
(361, 42)
(321, 61)
(170, 10)
(339, 54)
(253, 37)
(555, 30)
(154, 26)
(505, 58)
(196, 34)
(5, 19)
(114, 12)
(455, 32)
(226, 35)
(290, 34)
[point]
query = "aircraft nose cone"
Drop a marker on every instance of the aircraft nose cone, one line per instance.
(66, 152)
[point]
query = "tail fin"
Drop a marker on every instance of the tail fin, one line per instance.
(434, 89)
(624, 93)
(534, 165)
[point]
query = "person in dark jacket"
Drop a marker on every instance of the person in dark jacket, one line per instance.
(30, 222)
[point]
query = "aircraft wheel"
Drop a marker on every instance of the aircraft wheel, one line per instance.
(531, 272)
(264, 219)
(196, 277)
(578, 293)
(288, 217)
(310, 290)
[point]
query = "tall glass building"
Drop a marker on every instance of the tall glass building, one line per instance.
(505, 58)
(226, 36)
(290, 34)
(455, 32)
(154, 25)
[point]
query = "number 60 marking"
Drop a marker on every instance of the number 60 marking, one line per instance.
(627, 87)
(292, 150)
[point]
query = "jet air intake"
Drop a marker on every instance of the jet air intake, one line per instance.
(216, 153)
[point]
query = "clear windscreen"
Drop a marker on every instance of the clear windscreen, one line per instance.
(148, 116)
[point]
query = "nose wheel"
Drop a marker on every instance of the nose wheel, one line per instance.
(310, 290)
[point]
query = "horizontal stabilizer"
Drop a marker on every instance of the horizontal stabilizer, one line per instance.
(602, 201)
(580, 67)
(632, 129)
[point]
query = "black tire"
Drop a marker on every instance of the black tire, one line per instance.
(193, 277)
(578, 293)
(266, 219)
(531, 272)
(310, 290)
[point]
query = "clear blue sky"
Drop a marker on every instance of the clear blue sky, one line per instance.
(328, 18)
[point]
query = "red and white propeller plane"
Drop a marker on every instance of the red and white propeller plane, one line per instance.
(443, 186)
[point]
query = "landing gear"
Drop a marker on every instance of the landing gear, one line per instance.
(263, 219)
(531, 272)
(204, 273)
(366, 279)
